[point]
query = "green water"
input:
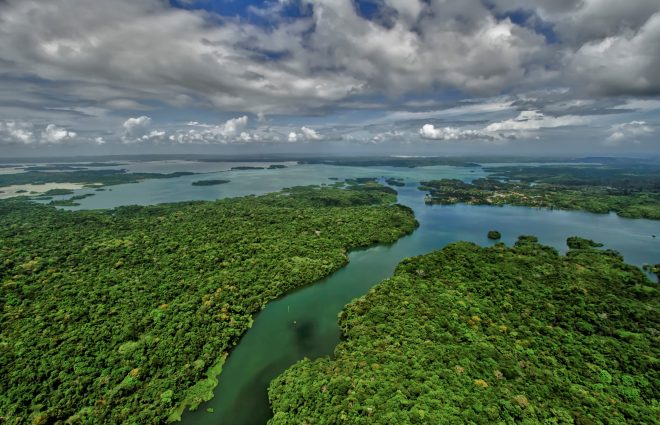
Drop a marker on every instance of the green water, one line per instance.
(304, 323)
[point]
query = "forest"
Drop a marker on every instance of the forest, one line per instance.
(489, 335)
(620, 174)
(88, 177)
(632, 199)
(214, 182)
(126, 315)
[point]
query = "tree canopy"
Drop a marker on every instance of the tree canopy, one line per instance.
(126, 315)
(489, 335)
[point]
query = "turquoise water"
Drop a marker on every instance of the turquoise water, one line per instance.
(304, 323)
(245, 182)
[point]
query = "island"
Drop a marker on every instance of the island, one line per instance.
(93, 178)
(276, 166)
(629, 191)
(241, 168)
(126, 315)
(494, 235)
(70, 202)
(395, 181)
(209, 182)
(501, 334)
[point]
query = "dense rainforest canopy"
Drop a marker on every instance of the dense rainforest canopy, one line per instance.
(490, 335)
(87, 177)
(627, 202)
(126, 315)
(629, 188)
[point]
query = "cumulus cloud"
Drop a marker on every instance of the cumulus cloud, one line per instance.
(306, 134)
(135, 129)
(525, 124)
(232, 126)
(429, 131)
(13, 132)
(55, 134)
(310, 134)
(139, 130)
(25, 133)
(630, 131)
(534, 120)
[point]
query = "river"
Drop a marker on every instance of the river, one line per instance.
(304, 323)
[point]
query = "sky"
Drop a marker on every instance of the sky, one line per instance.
(385, 77)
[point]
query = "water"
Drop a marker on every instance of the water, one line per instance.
(245, 182)
(304, 323)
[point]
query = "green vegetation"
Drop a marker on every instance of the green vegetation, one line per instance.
(126, 315)
(631, 202)
(209, 182)
(246, 168)
(655, 269)
(489, 335)
(71, 202)
(70, 167)
(362, 180)
(394, 181)
(276, 166)
(90, 177)
(494, 235)
(626, 177)
(391, 161)
(56, 192)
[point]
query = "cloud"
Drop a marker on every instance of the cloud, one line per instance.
(293, 65)
(55, 134)
(526, 124)
(534, 120)
(135, 129)
(625, 63)
(125, 104)
(25, 133)
(463, 67)
(13, 132)
(310, 134)
(429, 131)
(139, 130)
(232, 126)
(306, 134)
(631, 131)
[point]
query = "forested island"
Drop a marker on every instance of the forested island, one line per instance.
(595, 199)
(632, 192)
(69, 202)
(394, 181)
(489, 335)
(88, 177)
(209, 182)
(127, 315)
(246, 167)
